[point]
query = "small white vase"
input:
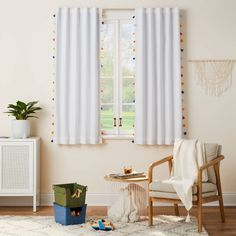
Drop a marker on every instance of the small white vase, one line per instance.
(20, 128)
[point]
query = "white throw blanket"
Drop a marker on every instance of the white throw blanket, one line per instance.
(188, 156)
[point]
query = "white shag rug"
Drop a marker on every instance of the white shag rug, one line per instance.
(45, 225)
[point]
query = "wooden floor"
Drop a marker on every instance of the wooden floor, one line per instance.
(211, 216)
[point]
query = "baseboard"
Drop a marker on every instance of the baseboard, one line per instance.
(95, 199)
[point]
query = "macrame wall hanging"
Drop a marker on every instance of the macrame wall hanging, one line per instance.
(214, 76)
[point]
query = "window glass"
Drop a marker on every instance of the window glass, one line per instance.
(107, 59)
(107, 92)
(128, 119)
(107, 49)
(107, 118)
(117, 77)
(127, 49)
(128, 92)
(128, 82)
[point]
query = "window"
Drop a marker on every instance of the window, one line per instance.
(117, 77)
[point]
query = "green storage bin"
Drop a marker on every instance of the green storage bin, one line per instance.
(63, 194)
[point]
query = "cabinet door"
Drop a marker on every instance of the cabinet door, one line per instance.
(16, 167)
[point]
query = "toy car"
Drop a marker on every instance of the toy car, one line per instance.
(102, 225)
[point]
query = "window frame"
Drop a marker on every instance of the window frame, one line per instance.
(117, 77)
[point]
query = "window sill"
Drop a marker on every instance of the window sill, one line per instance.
(117, 137)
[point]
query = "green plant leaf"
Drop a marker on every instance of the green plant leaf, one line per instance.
(22, 111)
(21, 105)
(33, 110)
(32, 116)
(31, 104)
(13, 107)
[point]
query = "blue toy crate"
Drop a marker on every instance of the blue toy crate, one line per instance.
(69, 216)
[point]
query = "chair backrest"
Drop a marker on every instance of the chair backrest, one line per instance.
(212, 151)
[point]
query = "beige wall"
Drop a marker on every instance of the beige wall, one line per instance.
(26, 73)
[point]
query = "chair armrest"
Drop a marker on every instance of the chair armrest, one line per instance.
(157, 163)
(212, 162)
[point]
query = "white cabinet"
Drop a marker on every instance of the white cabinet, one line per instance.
(20, 167)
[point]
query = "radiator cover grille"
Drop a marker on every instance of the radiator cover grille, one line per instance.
(15, 167)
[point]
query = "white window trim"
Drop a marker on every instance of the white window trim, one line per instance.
(117, 137)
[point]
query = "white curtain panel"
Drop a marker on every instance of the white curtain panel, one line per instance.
(77, 76)
(158, 77)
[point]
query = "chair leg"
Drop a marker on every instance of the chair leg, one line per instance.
(150, 212)
(176, 209)
(218, 182)
(222, 213)
(199, 217)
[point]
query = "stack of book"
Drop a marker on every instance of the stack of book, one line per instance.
(134, 174)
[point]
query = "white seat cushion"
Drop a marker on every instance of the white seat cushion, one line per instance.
(212, 151)
(175, 196)
(162, 186)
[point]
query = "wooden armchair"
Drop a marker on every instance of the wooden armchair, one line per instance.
(203, 192)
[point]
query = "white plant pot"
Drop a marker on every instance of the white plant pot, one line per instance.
(20, 128)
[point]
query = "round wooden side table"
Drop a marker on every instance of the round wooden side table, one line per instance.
(133, 190)
(126, 180)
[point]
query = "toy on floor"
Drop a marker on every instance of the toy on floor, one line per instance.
(102, 224)
(77, 193)
(75, 212)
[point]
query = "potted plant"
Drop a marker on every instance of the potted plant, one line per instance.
(22, 111)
